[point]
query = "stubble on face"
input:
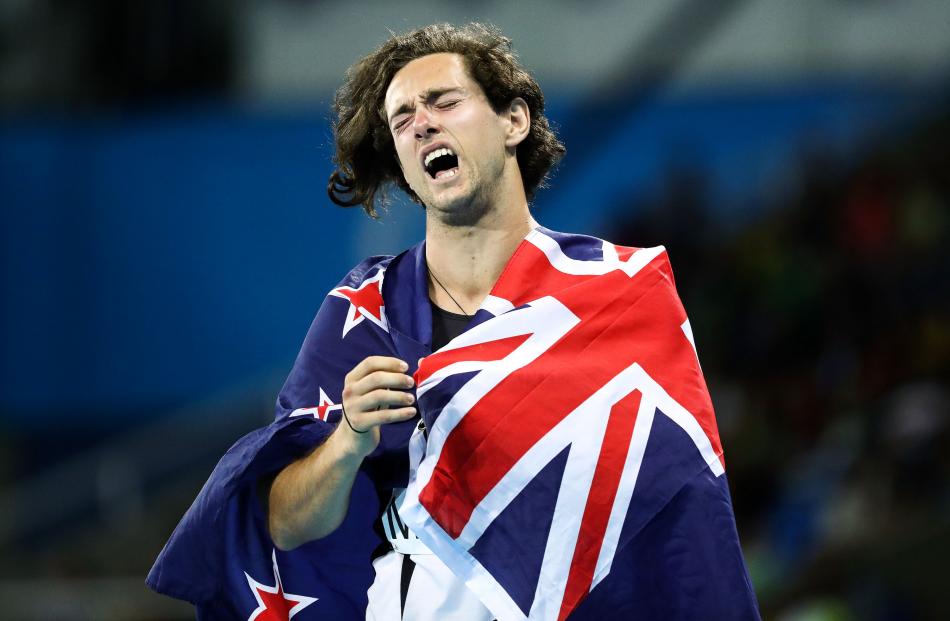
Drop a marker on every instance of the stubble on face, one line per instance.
(471, 131)
(467, 207)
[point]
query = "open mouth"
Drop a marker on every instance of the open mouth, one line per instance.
(442, 163)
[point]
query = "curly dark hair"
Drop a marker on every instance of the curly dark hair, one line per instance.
(365, 154)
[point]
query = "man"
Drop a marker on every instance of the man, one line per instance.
(541, 480)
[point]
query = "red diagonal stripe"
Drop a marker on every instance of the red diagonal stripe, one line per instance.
(491, 350)
(603, 491)
(527, 404)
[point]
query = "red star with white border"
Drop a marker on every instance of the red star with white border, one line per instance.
(366, 302)
(323, 409)
(273, 604)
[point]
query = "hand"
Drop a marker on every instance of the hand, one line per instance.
(374, 394)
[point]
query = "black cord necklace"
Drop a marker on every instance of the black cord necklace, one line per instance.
(451, 297)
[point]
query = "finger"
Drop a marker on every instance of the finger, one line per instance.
(383, 399)
(376, 363)
(381, 379)
(382, 417)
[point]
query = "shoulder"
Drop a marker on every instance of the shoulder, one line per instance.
(406, 263)
(578, 247)
(366, 268)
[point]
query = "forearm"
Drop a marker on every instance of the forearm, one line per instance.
(309, 498)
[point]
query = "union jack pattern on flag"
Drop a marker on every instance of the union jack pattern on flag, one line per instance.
(572, 468)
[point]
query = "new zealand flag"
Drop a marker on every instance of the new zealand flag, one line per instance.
(573, 467)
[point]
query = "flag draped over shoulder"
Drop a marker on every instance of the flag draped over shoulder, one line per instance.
(573, 448)
(572, 468)
(221, 557)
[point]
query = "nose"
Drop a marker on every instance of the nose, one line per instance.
(423, 124)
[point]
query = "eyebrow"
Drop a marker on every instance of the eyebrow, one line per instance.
(426, 95)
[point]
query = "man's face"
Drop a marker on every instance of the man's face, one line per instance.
(449, 141)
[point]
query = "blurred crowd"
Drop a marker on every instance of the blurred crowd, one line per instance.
(823, 327)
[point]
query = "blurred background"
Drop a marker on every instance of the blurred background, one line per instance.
(166, 238)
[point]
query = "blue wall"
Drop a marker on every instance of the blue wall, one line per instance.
(148, 260)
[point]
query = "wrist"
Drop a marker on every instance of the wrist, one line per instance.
(351, 444)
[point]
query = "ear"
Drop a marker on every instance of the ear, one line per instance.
(518, 118)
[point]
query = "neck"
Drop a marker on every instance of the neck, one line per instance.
(468, 260)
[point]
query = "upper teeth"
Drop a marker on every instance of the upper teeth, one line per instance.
(437, 153)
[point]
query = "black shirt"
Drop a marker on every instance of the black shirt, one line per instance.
(446, 326)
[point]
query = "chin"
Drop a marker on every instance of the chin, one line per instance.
(462, 209)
